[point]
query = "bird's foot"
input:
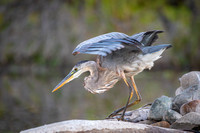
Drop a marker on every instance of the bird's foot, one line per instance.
(114, 113)
(119, 118)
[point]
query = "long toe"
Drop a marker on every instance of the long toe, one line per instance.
(114, 113)
(120, 118)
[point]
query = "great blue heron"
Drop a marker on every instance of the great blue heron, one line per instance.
(119, 57)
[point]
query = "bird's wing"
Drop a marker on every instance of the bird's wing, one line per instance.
(147, 38)
(106, 44)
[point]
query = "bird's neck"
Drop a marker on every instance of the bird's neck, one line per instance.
(99, 80)
(92, 79)
(93, 69)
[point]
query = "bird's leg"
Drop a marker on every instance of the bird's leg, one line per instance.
(129, 99)
(139, 98)
(131, 104)
(127, 103)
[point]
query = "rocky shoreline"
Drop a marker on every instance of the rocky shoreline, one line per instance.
(180, 113)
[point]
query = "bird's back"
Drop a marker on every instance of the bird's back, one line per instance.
(132, 61)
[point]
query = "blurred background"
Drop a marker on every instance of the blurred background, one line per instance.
(37, 38)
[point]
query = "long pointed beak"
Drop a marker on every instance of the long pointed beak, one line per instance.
(68, 78)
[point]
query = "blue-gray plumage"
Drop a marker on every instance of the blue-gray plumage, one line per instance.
(107, 43)
(119, 57)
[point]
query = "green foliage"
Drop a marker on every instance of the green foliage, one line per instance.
(2, 109)
(33, 18)
(38, 58)
(6, 2)
(4, 24)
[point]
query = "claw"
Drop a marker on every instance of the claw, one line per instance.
(115, 115)
(121, 118)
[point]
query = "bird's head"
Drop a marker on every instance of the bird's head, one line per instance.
(76, 71)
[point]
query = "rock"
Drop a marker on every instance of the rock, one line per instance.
(190, 79)
(179, 91)
(193, 106)
(161, 124)
(98, 126)
(148, 122)
(187, 122)
(171, 116)
(159, 107)
(192, 93)
(137, 115)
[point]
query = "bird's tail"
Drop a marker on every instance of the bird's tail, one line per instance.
(156, 48)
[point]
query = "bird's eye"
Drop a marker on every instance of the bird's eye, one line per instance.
(75, 69)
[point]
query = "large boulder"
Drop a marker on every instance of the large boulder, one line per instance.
(192, 93)
(98, 126)
(188, 80)
(187, 122)
(159, 107)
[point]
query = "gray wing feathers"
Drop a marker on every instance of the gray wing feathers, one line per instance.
(100, 45)
(138, 36)
(152, 49)
(115, 35)
(107, 43)
(101, 48)
(147, 38)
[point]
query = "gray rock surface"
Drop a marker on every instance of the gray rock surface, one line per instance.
(179, 91)
(187, 122)
(137, 115)
(192, 106)
(98, 126)
(188, 80)
(159, 107)
(171, 116)
(192, 93)
(148, 122)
